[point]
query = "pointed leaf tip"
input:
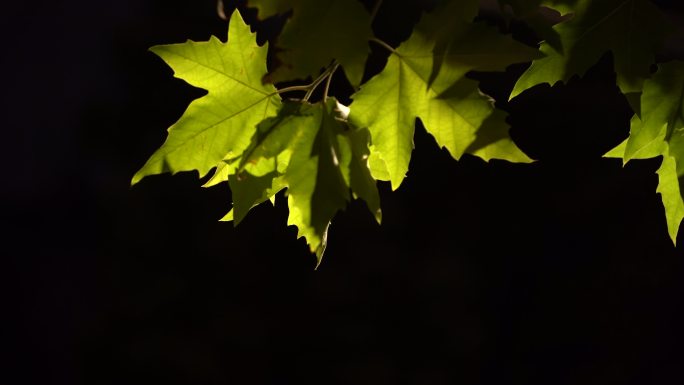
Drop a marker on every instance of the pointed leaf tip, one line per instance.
(668, 187)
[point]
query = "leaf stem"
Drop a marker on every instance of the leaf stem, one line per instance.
(327, 83)
(309, 88)
(384, 45)
(326, 74)
(291, 89)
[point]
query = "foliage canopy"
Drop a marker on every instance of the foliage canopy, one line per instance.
(323, 154)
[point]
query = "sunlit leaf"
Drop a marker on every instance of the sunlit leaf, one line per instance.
(425, 78)
(660, 132)
(223, 121)
(633, 30)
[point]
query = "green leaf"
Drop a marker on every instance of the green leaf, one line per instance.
(661, 106)
(269, 149)
(223, 170)
(362, 183)
(668, 187)
(377, 166)
(257, 175)
(228, 217)
(220, 124)
(425, 78)
(249, 191)
(388, 105)
(309, 149)
(268, 8)
(660, 131)
(644, 142)
(493, 142)
(316, 178)
(319, 32)
(632, 29)
(541, 16)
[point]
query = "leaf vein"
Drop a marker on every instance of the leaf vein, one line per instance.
(220, 72)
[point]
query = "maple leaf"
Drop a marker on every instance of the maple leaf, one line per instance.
(249, 191)
(310, 150)
(221, 123)
(328, 159)
(259, 170)
(323, 157)
(540, 16)
(659, 131)
(256, 175)
(268, 8)
(633, 30)
(361, 181)
(425, 78)
(318, 33)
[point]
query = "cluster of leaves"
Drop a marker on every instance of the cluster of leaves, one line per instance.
(324, 153)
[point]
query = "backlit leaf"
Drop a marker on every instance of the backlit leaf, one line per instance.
(660, 132)
(223, 121)
(268, 8)
(425, 78)
(320, 31)
(633, 30)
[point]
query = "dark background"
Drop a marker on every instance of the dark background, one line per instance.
(559, 272)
